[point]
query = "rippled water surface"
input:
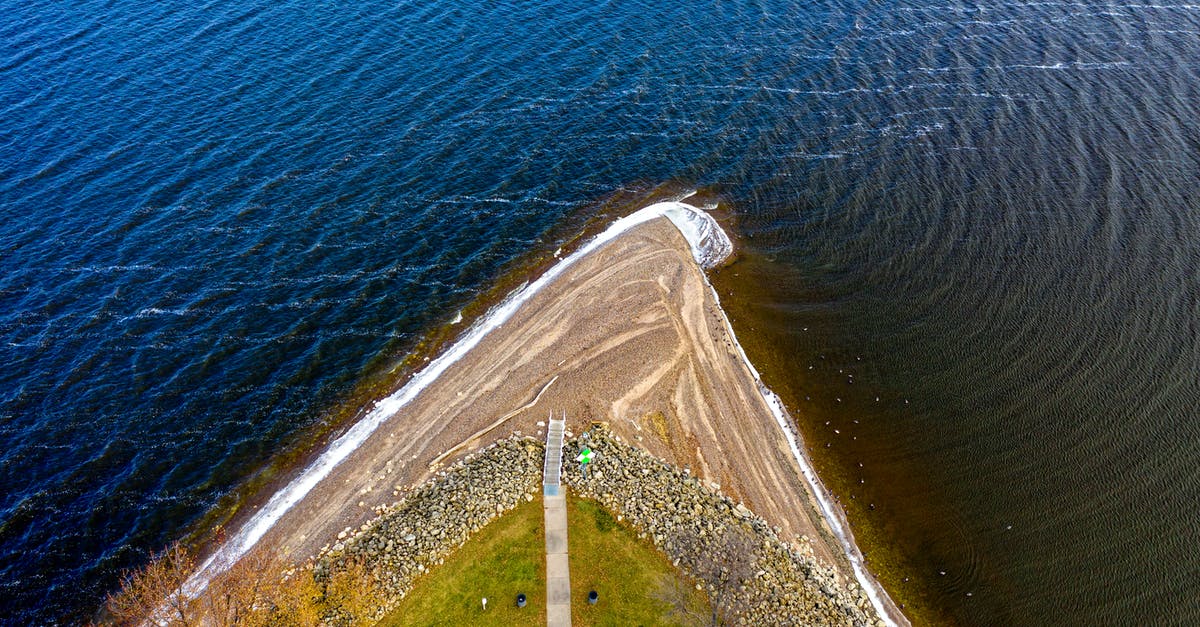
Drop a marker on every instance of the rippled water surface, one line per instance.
(214, 218)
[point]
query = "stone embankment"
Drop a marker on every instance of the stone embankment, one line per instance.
(414, 535)
(751, 575)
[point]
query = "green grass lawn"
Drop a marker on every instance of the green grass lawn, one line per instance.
(505, 558)
(637, 584)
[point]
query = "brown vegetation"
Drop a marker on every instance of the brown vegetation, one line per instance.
(728, 566)
(261, 589)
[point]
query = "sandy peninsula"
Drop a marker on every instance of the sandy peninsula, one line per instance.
(629, 334)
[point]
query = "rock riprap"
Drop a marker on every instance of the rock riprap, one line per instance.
(751, 575)
(415, 534)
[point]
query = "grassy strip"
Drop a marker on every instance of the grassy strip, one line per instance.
(505, 558)
(637, 584)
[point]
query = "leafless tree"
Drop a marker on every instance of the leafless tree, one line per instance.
(724, 561)
(258, 590)
(678, 593)
(249, 593)
(156, 591)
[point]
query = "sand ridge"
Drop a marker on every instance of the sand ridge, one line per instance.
(629, 334)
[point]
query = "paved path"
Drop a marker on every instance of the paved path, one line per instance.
(554, 504)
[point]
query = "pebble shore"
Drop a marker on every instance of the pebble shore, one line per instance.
(756, 579)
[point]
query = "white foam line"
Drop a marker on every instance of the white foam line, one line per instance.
(709, 246)
(831, 514)
(827, 508)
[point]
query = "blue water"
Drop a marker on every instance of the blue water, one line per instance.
(216, 218)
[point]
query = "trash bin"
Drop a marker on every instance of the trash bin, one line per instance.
(521, 600)
(593, 597)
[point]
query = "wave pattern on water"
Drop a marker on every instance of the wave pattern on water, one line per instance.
(710, 246)
(215, 218)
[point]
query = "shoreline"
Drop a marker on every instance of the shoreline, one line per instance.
(833, 514)
(778, 579)
(707, 246)
(256, 527)
(394, 369)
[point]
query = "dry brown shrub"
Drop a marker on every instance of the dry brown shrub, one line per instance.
(261, 589)
(248, 593)
(300, 602)
(155, 591)
(353, 594)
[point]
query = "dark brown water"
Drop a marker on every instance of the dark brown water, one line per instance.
(1002, 397)
(219, 220)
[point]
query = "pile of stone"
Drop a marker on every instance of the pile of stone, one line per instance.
(410, 537)
(752, 577)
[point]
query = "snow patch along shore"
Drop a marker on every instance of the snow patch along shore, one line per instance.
(710, 246)
(698, 227)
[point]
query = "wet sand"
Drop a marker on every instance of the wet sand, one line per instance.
(631, 335)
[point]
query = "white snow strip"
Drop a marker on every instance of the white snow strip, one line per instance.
(831, 514)
(710, 246)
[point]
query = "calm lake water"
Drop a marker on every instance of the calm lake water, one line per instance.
(218, 218)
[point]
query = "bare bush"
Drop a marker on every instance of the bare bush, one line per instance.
(677, 594)
(259, 590)
(724, 561)
(353, 594)
(156, 591)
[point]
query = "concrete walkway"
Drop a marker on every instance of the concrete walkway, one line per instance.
(554, 505)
